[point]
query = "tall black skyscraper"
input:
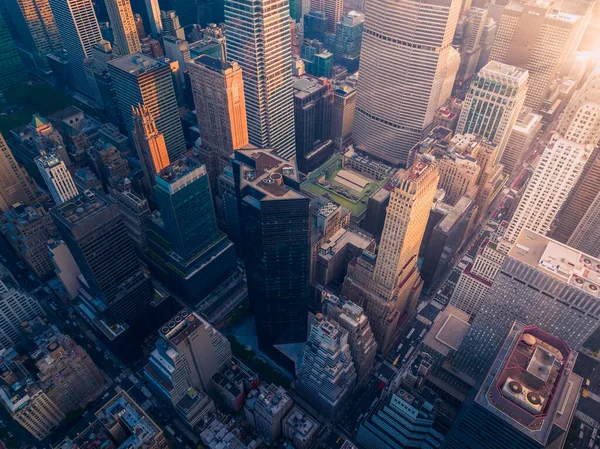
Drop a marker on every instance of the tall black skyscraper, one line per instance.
(313, 110)
(94, 231)
(274, 220)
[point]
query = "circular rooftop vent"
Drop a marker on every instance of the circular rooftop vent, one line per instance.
(515, 387)
(534, 398)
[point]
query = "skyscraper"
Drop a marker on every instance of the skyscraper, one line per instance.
(558, 171)
(78, 26)
(351, 317)
(171, 25)
(140, 79)
(150, 145)
(189, 352)
(93, 229)
(154, 17)
(520, 140)
(186, 250)
(275, 227)
(262, 27)
(528, 397)
(123, 26)
(348, 40)
(333, 10)
(327, 376)
(12, 70)
(471, 49)
(493, 103)
(16, 308)
(541, 282)
(313, 109)
(404, 59)
(344, 108)
(36, 29)
(388, 286)
(57, 177)
(218, 89)
(535, 37)
(15, 184)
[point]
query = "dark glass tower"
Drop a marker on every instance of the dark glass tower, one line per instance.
(274, 220)
(313, 109)
(94, 231)
(186, 250)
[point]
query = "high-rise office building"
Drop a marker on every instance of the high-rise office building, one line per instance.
(153, 10)
(150, 145)
(528, 397)
(66, 372)
(78, 26)
(486, 42)
(344, 107)
(28, 230)
(362, 343)
(15, 184)
(17, 307)
(399, 93)
(348, 40)
(471, 49)
(541, 282)
(406, 417)
(36, 31)
(274, 222)
(388, 286)
(140, 79)
(186, 250)
(261, 27)
(123, 26)
(12, 71)
(452, 68)
(333, 10)
(57, 177)
(93, 229)
(521, 138)
(218, 89)
(171, 25)
(313, 109)
(557, 173)
(24, 400)
(493, 103)
(535, 37)
(190, 351)
(586, 236)
(270, 408)
(139, 26)
(327, 376)
(580, 123)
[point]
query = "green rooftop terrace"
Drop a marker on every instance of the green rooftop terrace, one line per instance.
(353, 197)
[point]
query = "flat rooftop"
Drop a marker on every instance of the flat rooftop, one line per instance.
(137, 63)
(560, 261)
(529, 384)
(78, 209)
(448, 330)
(181, 326)
(179, 174)
(495, 68)
(266, 171)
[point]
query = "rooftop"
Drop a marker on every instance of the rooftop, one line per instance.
(137, 63)
(215, 64)
(139, 427)
(306, 85)
(266, 171)
(342, 238)
(48, 159)
(506, 71)
(530, 381)
(305, 425)
(448, 331)
(272, 399)
(80, 208)
(179, 174)
(181, 326)
(558, 260)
